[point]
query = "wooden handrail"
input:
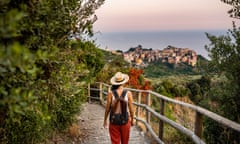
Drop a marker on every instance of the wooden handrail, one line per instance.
(200, 112)
(177, 126)
(150, 130)
(203, 111)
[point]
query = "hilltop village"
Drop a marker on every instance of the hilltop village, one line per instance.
(141, 57)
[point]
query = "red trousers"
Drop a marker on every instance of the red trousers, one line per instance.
(120, 133)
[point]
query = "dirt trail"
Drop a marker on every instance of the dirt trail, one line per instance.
(92, 131)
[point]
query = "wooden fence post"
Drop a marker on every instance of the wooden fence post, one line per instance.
(161, 123)
(138, 108)
(148, 114)
(89, 93)
(100, 93)
(198, 124)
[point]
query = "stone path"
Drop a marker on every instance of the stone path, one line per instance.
(91, 127)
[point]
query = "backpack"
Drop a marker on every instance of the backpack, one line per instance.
(119, 119)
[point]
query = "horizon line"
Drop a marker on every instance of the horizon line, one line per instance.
(174, 30)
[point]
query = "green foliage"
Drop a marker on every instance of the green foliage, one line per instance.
(172, 135)
(43, 74)
(217, 133)
(180, 91)
(225, 59)
(235, 10)
(199, 89)
(112, 64)
(225, 54)
(164, 88)
(159, 69)
(195, 91)
(202, 65)
(170, 89)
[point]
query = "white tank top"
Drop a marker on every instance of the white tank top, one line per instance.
(125, 98)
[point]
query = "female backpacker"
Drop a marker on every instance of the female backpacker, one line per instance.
(119, 105)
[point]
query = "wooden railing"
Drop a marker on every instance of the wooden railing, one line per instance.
(195, 134)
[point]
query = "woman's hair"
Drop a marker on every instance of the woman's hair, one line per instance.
(114, 87)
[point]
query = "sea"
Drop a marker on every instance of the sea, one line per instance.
(192, 39)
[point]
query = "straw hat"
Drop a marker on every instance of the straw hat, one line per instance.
(119, 79)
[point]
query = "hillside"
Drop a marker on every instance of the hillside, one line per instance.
(158, 68)
(155, 69)
(112, 63)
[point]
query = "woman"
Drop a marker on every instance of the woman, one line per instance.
(119, 133)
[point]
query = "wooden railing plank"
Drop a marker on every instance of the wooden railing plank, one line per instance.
(138, 108)
(161, 124)
(150, 130)
(89, 93)
(148, 114)
(100, 92)
(198, 124)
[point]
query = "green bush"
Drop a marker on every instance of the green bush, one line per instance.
(43, 74)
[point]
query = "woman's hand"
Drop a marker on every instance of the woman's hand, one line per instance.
(132, 123)
(105, 125)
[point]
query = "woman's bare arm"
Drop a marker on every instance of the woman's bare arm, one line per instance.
(107, 109)
(130, 105)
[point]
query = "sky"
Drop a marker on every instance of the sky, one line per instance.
(154, 15)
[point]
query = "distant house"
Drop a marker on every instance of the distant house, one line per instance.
(138, 61)
(170, 60)
(117, 52)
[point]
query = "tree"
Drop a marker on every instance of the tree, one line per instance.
(112, 64)
(41, 70)
(235, 11)
(199, 89)
(135, 78)
(224, 52)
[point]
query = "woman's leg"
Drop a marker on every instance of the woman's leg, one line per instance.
(125, 132)
(115, 133)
